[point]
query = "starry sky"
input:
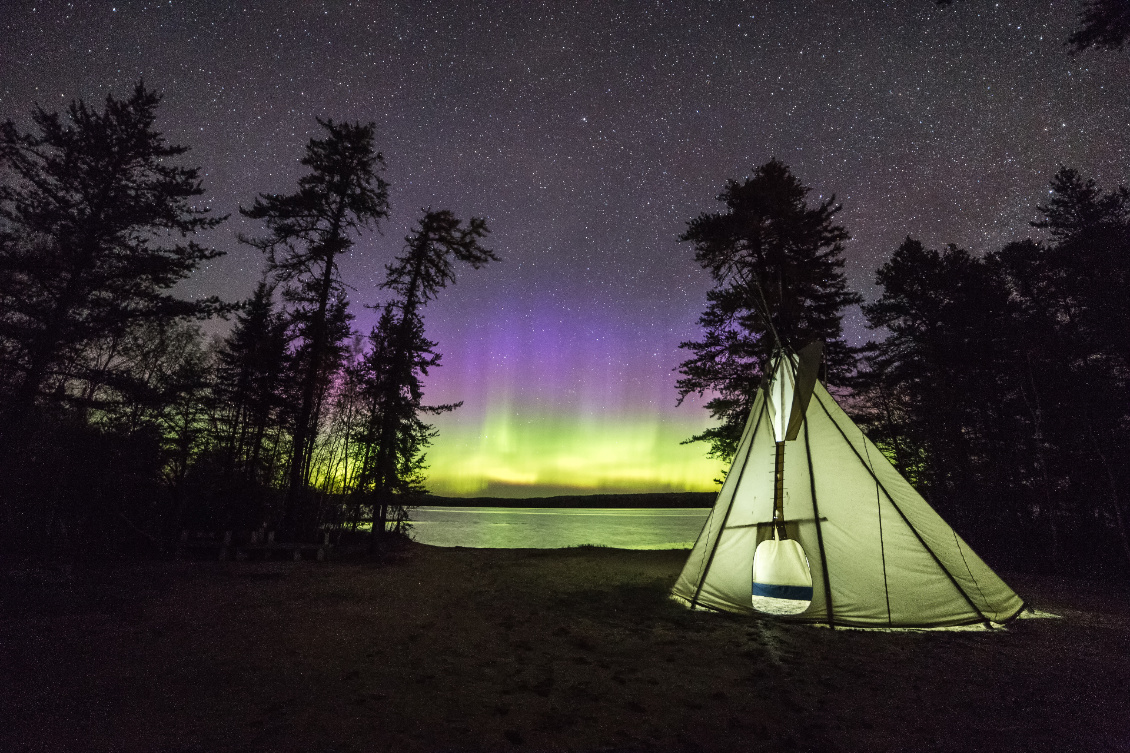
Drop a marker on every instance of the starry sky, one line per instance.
(588, 133)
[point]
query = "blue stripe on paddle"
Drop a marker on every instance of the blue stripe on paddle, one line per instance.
(800, 593)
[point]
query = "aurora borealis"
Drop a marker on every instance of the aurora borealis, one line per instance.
(567, 409)
(588, 134)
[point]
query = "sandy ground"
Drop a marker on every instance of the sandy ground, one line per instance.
(524, 650)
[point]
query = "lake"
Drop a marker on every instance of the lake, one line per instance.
(556, 527)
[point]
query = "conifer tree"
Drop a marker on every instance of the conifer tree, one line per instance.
(93, 218)
(1084, 275)
(1104, 24)
(401, 354)
(1004, 381)
(341, 195)
(250, 368)
(392, 414)
(947, 360)
(777, 266)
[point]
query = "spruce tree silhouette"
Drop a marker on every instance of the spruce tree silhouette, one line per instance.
(777, 266)
(341, 195)
(400, 354)
(92, 240)
(1103, 24)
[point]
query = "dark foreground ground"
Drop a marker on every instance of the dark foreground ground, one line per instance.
(515, 650)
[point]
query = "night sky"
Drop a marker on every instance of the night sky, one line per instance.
(588, 134)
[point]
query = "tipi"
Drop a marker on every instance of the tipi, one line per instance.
(878, 554)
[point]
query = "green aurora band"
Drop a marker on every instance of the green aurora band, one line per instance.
(536, 454)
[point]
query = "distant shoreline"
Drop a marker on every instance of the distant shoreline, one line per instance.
(625, 501)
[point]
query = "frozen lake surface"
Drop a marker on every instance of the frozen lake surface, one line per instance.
(555, 527)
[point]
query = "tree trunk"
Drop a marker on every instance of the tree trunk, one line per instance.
(386, 475)
(296, 480)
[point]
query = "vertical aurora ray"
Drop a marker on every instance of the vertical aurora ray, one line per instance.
(564, 403)
(522, 453)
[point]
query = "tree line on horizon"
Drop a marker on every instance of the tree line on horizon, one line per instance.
(120, 425)
(998, 384)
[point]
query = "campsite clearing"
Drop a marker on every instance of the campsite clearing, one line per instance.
(570, 649)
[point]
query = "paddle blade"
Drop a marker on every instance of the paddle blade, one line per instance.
(807, 367)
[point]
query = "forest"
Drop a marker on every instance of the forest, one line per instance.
(121, 425)
(997, 383)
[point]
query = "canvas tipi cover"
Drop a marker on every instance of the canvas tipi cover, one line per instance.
(879, 554)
